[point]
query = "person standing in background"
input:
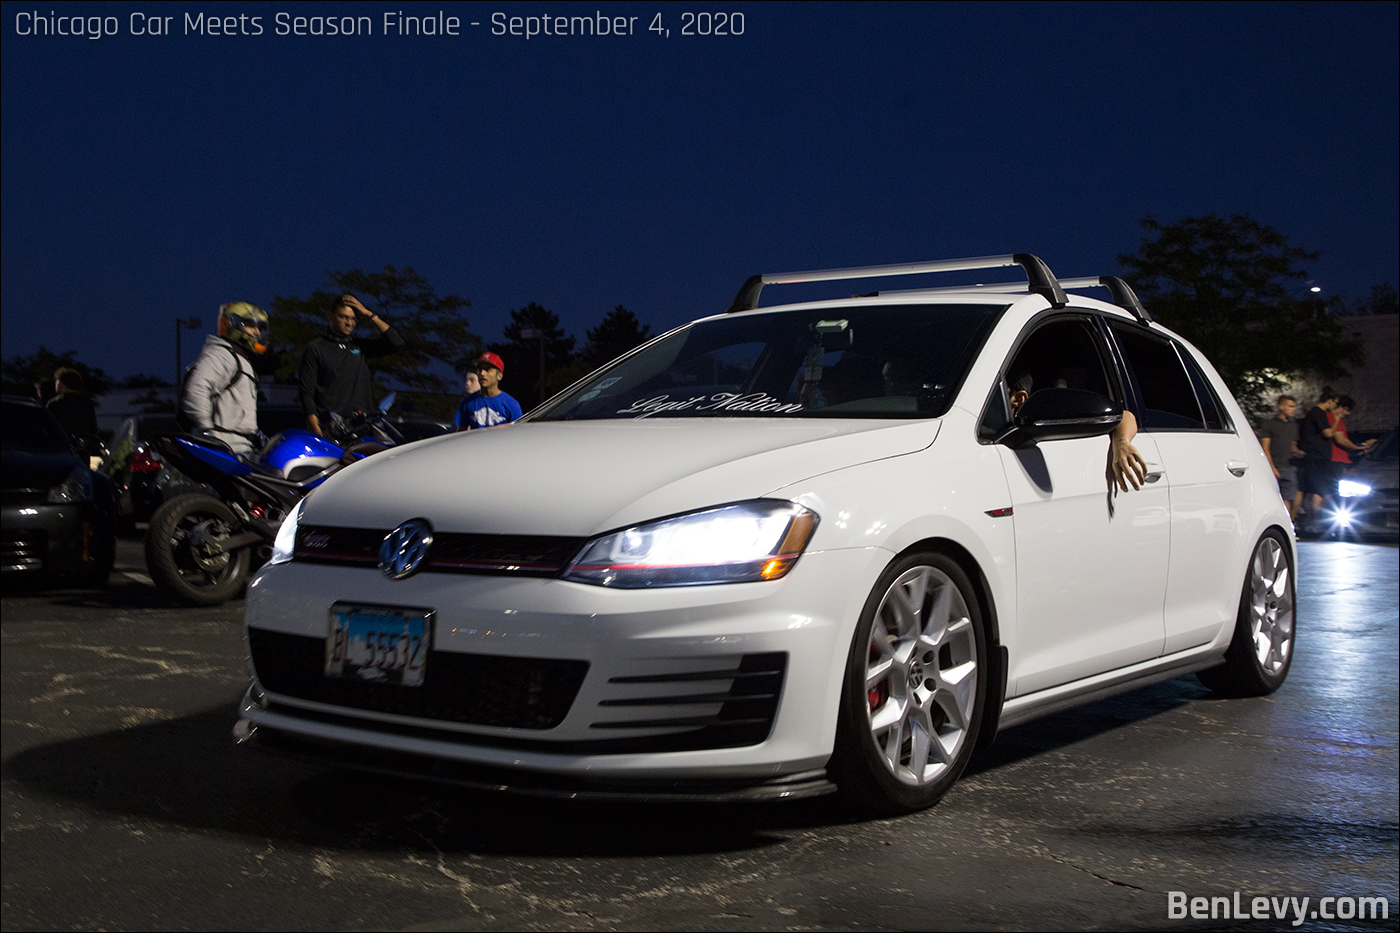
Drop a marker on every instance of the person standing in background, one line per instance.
(70, 406)
(490, 406)
(334, 376)
(1279, 438)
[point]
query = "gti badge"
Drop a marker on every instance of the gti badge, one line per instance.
(404, 548)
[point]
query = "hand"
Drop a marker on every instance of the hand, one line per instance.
(355, 303)
(1125, 466)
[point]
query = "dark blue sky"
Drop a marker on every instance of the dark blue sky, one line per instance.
(149, 178)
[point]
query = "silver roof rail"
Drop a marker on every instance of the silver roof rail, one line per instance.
(1121, 292)
(1040, 279)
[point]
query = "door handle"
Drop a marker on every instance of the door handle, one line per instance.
(1155, 475)
(1236, 467)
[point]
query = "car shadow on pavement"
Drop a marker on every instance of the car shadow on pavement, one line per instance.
(1085, 722)
(188, 771)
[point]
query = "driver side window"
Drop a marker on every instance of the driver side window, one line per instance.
(1066, 353)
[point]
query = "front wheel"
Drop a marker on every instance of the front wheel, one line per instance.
(1261, 651)
(185, 555)
(915, 687)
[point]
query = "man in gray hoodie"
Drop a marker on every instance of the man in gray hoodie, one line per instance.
(220, 395)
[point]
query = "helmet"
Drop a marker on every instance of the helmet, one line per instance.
(236, 316)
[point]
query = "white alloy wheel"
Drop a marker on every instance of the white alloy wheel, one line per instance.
(1261, 651)
(914, 687)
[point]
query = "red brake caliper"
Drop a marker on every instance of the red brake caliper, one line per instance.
(878, 694)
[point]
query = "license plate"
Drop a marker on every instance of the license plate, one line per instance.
(378, 644)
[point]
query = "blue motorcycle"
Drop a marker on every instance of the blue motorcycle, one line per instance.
(201, 546)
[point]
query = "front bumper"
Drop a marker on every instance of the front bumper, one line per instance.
(41, 539)
(736, 684)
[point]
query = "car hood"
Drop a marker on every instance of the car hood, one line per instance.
(583, 478)
(27, 469)
(1377, 473)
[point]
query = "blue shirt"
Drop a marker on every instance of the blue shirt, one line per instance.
(483, 411)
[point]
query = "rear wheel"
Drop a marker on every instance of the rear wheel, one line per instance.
(914, 689)
(185, 555)
(1261, 651)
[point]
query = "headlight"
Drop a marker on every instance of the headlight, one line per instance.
(286, 540)
(1350, 489)
(76, 488)
(740, 543)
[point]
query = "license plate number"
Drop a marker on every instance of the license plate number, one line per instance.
(378, 644)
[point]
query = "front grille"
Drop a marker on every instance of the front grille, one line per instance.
(22, 551)
(474, 689)
(513, 555)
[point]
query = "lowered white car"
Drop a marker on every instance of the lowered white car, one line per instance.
(785, 550)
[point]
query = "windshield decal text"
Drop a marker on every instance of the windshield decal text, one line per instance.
(720, 401)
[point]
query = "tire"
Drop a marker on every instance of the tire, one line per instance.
(183, 553)
(915, 688)
(1261, 651)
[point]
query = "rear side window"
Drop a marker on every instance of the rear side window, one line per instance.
(1216, 417)
(1165, 394)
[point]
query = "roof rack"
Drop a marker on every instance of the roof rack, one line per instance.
(1121, 292)
(1040, 279)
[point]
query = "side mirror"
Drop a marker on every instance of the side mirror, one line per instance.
(1061, 414)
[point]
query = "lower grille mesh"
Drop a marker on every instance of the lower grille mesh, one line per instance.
(476, 689)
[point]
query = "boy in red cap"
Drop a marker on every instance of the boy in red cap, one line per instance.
(490, 406)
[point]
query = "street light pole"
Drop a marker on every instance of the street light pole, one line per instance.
(192, 323)
(528, 333)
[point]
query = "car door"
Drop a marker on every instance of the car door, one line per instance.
(1206, 466)
(1091, 562)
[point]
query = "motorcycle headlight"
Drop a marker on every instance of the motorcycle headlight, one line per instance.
(76, 488)
(740, 543)
(285, 542)
(1351, 489)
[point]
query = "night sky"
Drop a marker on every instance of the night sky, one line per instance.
(147, 178)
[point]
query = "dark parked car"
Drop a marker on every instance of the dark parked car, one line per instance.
(58, 519)
(1368, 500)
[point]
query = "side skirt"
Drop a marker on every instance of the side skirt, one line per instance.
(1054, 699)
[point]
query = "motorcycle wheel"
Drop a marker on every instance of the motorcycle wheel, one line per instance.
(184, 555)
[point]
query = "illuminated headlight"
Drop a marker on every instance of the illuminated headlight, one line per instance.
(1350, 489)
(740, 543)
(286, 540)
(76, 488)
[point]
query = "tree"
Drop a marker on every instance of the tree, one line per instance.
(22, 374)
(433, 327)
(1228, 286)
(619, 332)
(521, 353)
(1382, 300)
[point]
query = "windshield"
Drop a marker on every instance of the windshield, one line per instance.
(883, 361)
(1387, 449)
(29, 427)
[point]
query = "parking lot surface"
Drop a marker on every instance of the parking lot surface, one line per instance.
(128, 806)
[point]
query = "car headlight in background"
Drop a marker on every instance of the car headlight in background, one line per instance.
(1351, 489)
(741, 543)
(76, 488)
(285, 542)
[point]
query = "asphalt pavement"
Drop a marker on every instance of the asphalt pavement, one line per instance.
(126, 804)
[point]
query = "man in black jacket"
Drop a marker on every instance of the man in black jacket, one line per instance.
(334, 375)
(70, 406)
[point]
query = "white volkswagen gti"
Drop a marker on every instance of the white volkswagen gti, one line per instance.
(785, 550)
